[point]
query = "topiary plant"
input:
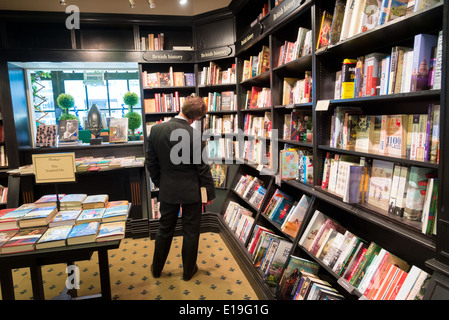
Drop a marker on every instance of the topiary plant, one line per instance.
(66, 101)
(134, 119)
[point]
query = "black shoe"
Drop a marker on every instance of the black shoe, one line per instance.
(187, 278)
(155, 274)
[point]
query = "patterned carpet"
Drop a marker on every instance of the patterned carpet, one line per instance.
(219, 276)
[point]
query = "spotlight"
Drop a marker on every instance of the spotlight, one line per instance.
(182, 2)
(152, 4)
(132, 4)
(62, 3)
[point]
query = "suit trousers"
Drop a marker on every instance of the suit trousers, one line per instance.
(191, 225)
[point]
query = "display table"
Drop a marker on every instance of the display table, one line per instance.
(67, 254)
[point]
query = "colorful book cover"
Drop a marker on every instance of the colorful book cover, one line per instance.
(292, 276)
(55, 234)
(294, 220)
(363, 133)
(84, 229)
(111, 229)
(397, 135)
(347, 77)
(115, 211)
(46, 135)
(370, 15)
(118, 130)
(289, 164)
(66, 215)
(337, 21)
(91, 214)
(422, 50)
(325, 30)
(416, 192)
(276, 268)
(397, 8)
(380, 184)
(25, 237)
(68, 130)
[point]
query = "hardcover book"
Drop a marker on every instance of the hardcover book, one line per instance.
(422, 49)
(291, 277)
(9, 221)
(118, 130)
(397, 135)
(65, 217)
(416, 192)
(46, 135)
(90, 215)
(68, 130)
(111, 231)
(24, 240)
(83, 233)
(325, 30)
(95, 201)
(54, 237)
(38, 217)
(116, 213)
(294, 220)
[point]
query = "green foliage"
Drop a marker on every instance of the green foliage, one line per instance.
(134, 120)
(68, 116)
(130, 99)
(65, 101)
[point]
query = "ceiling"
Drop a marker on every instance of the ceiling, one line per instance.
(163, 7)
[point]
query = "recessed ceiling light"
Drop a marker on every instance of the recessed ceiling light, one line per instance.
(182, 2)
(132, 4)
(152, 4)
(62, 3)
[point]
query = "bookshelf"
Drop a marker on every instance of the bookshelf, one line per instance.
(397, 232)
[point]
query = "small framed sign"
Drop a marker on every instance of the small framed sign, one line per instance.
(54, 167)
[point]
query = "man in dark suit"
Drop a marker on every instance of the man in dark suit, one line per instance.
(175, 163)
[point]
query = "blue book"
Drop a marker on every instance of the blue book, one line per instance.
(422, 51)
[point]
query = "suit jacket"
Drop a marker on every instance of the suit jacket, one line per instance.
(176, 167)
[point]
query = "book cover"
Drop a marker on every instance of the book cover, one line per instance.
(111, 231)
(68, 130)
(88, 215)
(347, 77)
(65, 217)
(312, 229)
(46, 135)
(118, 130)
(422, 49)
(54, 237)
(397, 8)
(89, 229)
(416, 192)
(363, 133)
(325, 30)
(397, 132)
(294, 220)
(5, 236)
(380, 184)
(274, 272)
(289, 164)
(292, 276)
(370, 15)
(337, 21)
(24, 240)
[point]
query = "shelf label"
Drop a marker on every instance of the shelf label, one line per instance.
(54, 167)
(322, 105)
(214, 53)
(345, 284)
(167, 56)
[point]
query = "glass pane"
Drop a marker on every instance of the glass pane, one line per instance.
(76, 89)
(117, 89)
(97, 93)
(135, 87)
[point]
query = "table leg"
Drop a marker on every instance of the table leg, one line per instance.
(6, 283)
(105, 279)
(37, 283)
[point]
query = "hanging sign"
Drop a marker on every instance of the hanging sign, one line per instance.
(211, 54)
(167, 56)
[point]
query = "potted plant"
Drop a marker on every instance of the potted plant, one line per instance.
(66, 101)
(134, 119)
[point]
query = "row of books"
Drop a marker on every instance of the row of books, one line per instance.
(149, 124)
(168, 79)
(296, 164)
(257, 64)
(404, 69)
(239, 220)
(269, 252)
(257, 151)
(221, 101)
(213, 74)
(285, 211)
(407, 136)
(376, 273)
(252, 189)
(290, 51)
(256, 125)
(298, 127)
(220, 148)
(155, 208)
(152, 42)
(351, 17)
(89, 163)
(226, 123)
(300, 281)
(31, 239)
(296, 90)
(258, 97)
(164, 102)
(409, 192)
(3, 194)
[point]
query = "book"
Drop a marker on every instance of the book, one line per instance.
(416, 191)
(363, 133)
(83, 233)
(54, 237)
(347, 78)
(292, 274)
(46, 135)
(48, 200)
(370, 15)
(116, 213)
(38, 217)
(337, 21)
(68, 130)
(111, 231)
(24, 240)
(118, 130)
(9, 221)
(356, 18)
(294, 220)
(5, 236)
(276, 268)
(397, 8)
(90, 215)
(380, 184)
(65, 217)
(72, 201)
(438, 62)
(396, 135)
(95, 201)
(325, 30)
(422, 49)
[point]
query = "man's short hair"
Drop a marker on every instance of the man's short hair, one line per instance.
(194, 108)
